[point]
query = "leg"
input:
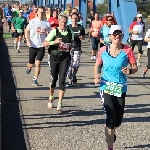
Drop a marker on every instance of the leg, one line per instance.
(108, 103)
(69, 71)
(76, 62)
(16, 39)
(93, 47)
(19, 41)
(63, 67)
(148, 66)
(32, 56)
(54, 65)
(39, 58)
(119, 108)
(140, 52)
(133, 43)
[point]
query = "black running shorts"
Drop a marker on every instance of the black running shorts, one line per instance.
(36, 53)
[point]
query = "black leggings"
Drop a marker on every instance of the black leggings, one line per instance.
(139, 43)
(113, 108)
(59, 67)
(148, 55)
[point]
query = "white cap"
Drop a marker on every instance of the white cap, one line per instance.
(114, 28)
(139, 15)
(21, 10)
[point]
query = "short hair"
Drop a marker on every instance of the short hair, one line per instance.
(62, 15)
(75, 13)
(41, 7)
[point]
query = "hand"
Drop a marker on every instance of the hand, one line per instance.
(58, 40)
(52, 22)
(125, 70)
(80, 37)
(135, 32)
(28, 43)
(14, 30)
(97, 79)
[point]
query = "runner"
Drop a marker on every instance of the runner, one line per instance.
(60, 40)
(79, 34)
(9, 16)
(91, 18)
(33, 14)
(18, 26)
(5, 10)
(35, 35)
(113, 82)
(137, 28)
(147, 39)
(94, 30)
(104, 33)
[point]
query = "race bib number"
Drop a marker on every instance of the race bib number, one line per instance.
(64, 46)
(113, 89)
(19, 30)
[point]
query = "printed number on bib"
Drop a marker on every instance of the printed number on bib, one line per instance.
(113, 89)
(19, 30)
(64, 46)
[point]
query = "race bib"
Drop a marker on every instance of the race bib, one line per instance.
(19, 30)
(113, 89)
(64, 46)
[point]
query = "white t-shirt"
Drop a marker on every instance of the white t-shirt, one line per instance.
(139, 29)
(38, 31)
(148, 36)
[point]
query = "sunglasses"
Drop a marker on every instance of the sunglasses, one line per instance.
(140, 17)
(109, 20)
(117, 32)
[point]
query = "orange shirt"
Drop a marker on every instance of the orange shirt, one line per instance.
(96, 26)
(31, 16)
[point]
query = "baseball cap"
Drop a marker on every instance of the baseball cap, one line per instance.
(139, 15)
(114, 28)
(20, 10)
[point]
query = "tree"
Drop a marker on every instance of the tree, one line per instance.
(102, 8)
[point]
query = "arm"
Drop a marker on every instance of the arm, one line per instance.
(49, 39)
(147, 36)
(132, 62)
(12, 25)
(98, 62)
(130, 28)
(82, 37)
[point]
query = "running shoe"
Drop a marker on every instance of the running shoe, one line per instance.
(69, 84)
(18, 51)
(143, 74)
(92, 57)
(138, 64)
(59, 106)
(74, 79)
(28, 70)
(50, 102)
(24, 40)
(35, 83)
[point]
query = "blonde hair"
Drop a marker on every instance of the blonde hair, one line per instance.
(62, 15)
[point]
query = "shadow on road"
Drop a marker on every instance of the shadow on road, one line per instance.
(12, 132)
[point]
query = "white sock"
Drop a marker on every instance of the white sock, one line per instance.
(35, 78)
(18, 45)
